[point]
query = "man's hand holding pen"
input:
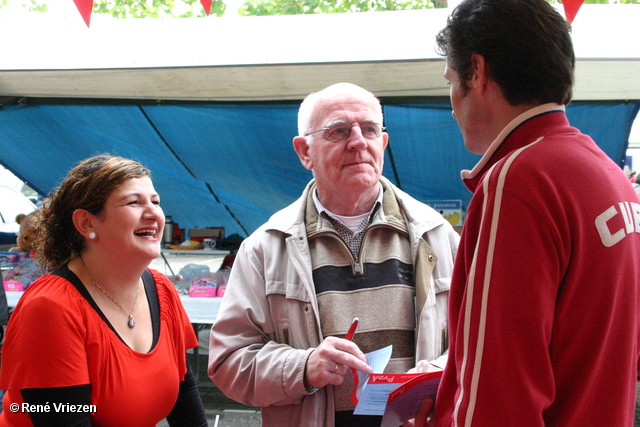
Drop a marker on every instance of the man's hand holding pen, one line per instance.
(332, 360)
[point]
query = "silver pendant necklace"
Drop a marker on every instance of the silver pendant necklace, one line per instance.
(131, 323)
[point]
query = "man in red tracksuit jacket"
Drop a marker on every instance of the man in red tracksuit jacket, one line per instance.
(544, 300)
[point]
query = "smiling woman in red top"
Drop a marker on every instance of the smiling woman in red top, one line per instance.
(100, 340)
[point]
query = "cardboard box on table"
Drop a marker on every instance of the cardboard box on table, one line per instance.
(199, 234)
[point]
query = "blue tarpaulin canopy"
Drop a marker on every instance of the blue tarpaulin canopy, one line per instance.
(233, 164)
(210, 105)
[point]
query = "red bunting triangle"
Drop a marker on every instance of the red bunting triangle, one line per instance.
(207, 6)
(85, 7)
(571, 8)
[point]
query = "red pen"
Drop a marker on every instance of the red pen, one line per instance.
(352, 329)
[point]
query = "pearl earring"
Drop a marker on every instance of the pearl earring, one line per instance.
(91, 235)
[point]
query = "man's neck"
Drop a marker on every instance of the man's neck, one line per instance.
(352, 204)
(510, 112)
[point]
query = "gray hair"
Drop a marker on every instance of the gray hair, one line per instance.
(310, 104)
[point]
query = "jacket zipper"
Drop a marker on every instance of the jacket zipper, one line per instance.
(334, 234)
(357, 267)
(357, 264)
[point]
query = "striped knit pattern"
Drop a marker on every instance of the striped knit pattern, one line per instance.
(378, 288)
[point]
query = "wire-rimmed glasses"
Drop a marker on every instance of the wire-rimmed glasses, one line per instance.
(342, 131)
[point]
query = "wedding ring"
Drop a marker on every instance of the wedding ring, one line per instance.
(336, 368)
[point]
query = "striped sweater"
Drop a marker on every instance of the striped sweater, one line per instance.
(377, 286)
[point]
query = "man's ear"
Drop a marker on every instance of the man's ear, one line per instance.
(83, 221)
(302, 149)
(480, 75)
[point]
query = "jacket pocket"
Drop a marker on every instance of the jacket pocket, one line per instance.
(283, 331)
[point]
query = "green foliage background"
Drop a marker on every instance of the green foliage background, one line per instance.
(192, 8)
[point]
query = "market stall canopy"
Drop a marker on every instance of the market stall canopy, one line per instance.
(278, 57)
(210, 104)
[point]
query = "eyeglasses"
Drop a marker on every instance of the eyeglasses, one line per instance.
(342, 131)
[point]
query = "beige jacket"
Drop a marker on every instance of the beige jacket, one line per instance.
(268, 321)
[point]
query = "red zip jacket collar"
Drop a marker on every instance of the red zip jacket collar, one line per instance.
(511, 138)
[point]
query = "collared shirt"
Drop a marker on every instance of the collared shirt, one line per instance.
(353, 238)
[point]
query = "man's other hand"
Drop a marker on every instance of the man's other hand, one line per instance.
(332, 360)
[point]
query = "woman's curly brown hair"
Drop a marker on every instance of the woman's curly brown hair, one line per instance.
(87, 186)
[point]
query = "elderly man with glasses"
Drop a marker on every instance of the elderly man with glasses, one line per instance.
(352, 246)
